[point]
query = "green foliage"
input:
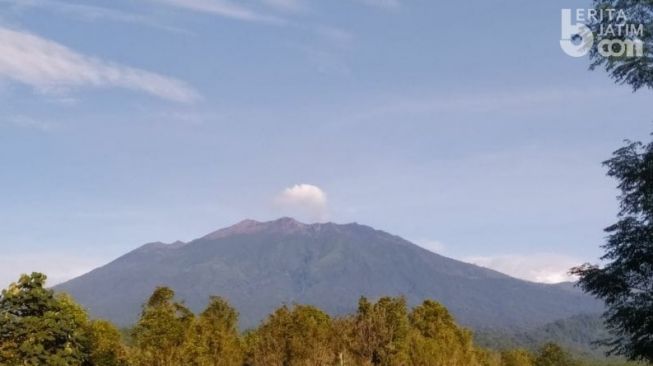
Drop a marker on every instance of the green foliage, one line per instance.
(160, 333)
(516, 357)
(380, 331)
(105, 344)
(634, 71)
(625, 283)
(39, 328)
(301, 335)
(214, 338)
(436, 339)
(486, 357)
(552, 355)
(578, 334)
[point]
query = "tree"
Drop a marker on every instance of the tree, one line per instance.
(161, 332)
(635, 71)
(625, 282)
(39, 328)
(214, 340)
(380, 331)
(436, 338)
(552, 355)
(485, 357)
(105, 345)
(516, 357)
(298, 336)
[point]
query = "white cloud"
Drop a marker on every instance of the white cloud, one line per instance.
(223, 8)
(51, 67)
(542, 267)
(90, 13)
(304, 200)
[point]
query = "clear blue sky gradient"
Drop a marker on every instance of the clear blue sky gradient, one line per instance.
(457, 122)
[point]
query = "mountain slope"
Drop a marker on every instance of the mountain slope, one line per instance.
(259, 266)
(579, 334)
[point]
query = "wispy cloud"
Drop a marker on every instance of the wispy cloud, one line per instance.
(291, 6)
(49, 66)
(542, 267)
(26, 122)
(91, 13)
(223, 8)
(388, 4)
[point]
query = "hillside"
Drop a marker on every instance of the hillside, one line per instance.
(260, 265)
(579, 334)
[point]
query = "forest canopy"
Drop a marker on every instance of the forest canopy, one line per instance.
(40, 327)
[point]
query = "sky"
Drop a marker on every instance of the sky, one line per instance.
(461, 126)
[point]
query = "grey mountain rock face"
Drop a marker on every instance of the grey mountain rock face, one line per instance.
(258, 266)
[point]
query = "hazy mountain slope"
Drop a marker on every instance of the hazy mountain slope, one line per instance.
(578, 333)
(259, 266)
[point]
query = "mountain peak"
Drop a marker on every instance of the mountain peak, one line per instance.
(287, 223)
(260, 265)
(248, 226)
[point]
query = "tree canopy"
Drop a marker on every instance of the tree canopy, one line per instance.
(634, 71)
(625, 282)
(38, 327)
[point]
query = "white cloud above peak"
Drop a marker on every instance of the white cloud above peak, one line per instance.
(49, 66)
(304, 200)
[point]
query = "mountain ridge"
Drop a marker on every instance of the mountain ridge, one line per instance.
(260, 265)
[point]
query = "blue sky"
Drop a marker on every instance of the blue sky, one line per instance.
(460, 126)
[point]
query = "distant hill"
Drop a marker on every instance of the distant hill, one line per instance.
(260, 265)
(578, 333)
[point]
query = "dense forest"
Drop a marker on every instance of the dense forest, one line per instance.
(40, 327)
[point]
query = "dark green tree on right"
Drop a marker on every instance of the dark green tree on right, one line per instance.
(634, 71)
(625, 281)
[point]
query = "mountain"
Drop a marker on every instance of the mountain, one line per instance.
(579, 334)
(259, 265)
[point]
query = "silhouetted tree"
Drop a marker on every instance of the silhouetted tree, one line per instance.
(634, 71)
(625, 282)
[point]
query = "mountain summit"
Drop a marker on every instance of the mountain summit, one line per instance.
(258, 266)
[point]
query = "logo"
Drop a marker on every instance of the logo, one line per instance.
(617, 36)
